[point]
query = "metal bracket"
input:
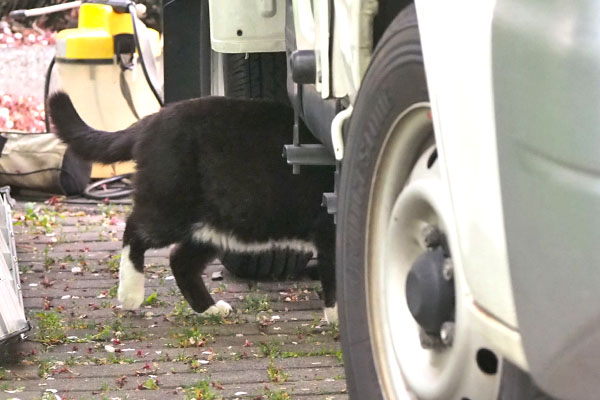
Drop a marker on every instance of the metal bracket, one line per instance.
(330, 202)
(307, 154)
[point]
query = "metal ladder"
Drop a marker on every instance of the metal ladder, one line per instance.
(12, 312)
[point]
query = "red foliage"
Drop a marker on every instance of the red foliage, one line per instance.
(21, 113)
(25, 37)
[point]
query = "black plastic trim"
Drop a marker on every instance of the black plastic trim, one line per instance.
(89, 61)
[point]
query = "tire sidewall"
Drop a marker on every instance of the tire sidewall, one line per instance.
(394, 81)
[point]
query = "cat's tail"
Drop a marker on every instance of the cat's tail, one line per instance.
(89, 143)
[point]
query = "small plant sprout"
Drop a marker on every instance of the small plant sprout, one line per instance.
(270, 394)
(152, 299)
(255, 303)
(114, 262)
(51, 329)
(191, 337)
(200, 390)
(275, 373)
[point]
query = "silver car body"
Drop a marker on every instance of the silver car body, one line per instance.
(12, 313)
(515, 95)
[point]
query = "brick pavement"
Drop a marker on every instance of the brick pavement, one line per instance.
(83, 346)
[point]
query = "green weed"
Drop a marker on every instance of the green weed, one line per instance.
(51, 329)
(200, 390)
(185, 316)
(114, 262)
(276, 374)
(116, 328)
(48, 396)
(325, 352)
(150, 384)
(255, 303)
(276, 395)
(153, 300)
(112, 292)
(45, 368)
(271, 349)
(222, 288)
(191, 337)
(48, 261)
(38, 217)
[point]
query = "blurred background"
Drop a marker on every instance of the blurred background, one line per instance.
(26, 48)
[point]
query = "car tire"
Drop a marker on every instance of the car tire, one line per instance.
(256, 75)
(260, 75)
(393, 85)
(272, 265)
(379, 100)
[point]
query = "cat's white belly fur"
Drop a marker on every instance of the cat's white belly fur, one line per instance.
(206, 234)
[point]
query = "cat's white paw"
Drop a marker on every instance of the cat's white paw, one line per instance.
(331, 314)
(131, 299)
(131, 283)
(222, 308)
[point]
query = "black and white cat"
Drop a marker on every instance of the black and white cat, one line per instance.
(209, 178)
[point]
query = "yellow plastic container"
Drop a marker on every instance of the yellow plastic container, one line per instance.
(89, 72)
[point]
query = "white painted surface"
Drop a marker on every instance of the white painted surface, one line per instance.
(352, 45)
(258, 28)
(456, 39)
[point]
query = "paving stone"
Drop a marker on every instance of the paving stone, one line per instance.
(288, 335)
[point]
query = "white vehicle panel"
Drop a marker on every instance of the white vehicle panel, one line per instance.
(456, 40)
(304, 25)
(352, 45)
(322, 15)
(260, 28)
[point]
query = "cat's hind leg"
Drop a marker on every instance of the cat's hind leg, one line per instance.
(188, 260)
(131, 269)
(325, 242)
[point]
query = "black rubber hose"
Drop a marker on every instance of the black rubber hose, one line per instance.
(132, 11)
(109, 194)
(47, 92)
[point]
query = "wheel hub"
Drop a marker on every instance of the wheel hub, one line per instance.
(429, 294)
(419, 316)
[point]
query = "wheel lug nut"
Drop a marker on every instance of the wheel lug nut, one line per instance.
(448, 269)
(432, 236)
(447, 333)
(429, 341)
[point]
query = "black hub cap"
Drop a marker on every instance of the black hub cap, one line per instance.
(430, 296)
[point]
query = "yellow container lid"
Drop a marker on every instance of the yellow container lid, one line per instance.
(93, 37)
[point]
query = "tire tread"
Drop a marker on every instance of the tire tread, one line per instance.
(260, 75)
